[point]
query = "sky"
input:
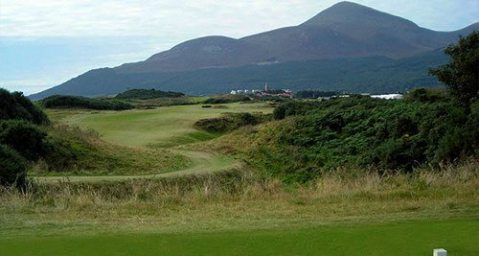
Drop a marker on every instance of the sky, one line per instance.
(46, 42)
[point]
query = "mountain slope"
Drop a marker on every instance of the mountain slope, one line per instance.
(367, 74)
(343, 31)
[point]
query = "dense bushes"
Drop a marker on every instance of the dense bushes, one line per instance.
(314, 94)
(16, 106)
(227, 99)
(293, 108)
(145, 94)
(365, 132)
(20, 137)
(427, 95)
(22, 140)
(60, 101)
(13, 168)
(230, 121)
(26, 138)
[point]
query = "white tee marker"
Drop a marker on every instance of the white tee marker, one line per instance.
(439, 252)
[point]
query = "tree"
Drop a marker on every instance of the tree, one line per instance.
(461, 75)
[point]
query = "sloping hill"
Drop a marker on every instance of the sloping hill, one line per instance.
(344, 31)
(367, 74)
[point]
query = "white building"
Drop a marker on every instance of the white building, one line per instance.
(393, 96)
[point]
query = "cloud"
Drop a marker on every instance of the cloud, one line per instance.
(156, 25)
(191, 18)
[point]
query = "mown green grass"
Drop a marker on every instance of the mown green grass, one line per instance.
(459, 237)
(136, 136)
(162, 126)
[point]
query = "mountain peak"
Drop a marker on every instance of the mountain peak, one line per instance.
(356, 14)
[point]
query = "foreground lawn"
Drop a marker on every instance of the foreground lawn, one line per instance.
(459, 237)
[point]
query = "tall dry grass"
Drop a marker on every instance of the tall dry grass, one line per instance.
(239, 199)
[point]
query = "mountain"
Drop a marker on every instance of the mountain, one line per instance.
(344, 33)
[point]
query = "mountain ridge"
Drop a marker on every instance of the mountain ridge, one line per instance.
(345, 30)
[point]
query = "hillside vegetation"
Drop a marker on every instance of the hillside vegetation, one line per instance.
(145, 94)
(358, 75)
(21, 137)
(311, 138)
(63, 101)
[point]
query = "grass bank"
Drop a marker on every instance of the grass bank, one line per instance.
(238, 200)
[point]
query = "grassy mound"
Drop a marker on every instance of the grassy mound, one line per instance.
(82, 152)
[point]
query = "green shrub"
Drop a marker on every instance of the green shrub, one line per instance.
(230, 121)
(16, 106)
(227, 99)
(145, 94)
(314, 94)
(60, 101)
(59, 154)
(293, 108)
(12, 168)
(26, 138)
(366, 132)
(426, 94)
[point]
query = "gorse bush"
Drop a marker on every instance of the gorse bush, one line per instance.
(426, 95)
(292, 108)
(26, 138)
(16, 106)
(22, 139)
(60, 101)
(230, 121)
(364, 132)
(227, 99)
(13, 168)
(314, 94)
(144, 94)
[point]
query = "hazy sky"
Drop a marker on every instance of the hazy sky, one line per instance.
(45, 42)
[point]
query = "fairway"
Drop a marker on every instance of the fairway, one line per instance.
(164, 126)
(413, 238)
(201, 163)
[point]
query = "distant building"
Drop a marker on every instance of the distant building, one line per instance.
(267, 92)
(393, 96)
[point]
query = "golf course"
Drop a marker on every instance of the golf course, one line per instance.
(204, 128)
(153, 214)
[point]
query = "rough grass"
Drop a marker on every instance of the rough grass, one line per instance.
(238, 200)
